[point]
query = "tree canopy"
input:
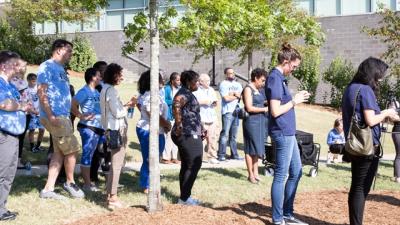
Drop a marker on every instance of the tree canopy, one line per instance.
(239, 25)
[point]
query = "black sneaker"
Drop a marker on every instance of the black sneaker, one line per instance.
(73, 190)
(293, 220)
(35, 150)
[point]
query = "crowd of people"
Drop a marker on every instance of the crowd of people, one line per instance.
(189, 132)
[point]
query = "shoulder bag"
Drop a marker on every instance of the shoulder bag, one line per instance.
(113, 137)
(359, 139)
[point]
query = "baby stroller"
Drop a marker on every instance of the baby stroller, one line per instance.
(309, 154)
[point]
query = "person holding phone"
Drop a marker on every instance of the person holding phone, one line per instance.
(208, 102)
(187, 134)
(282, 129)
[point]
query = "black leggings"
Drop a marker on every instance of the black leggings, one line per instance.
(363, 171)
(21, 137)
(396, 141)
(191, 153)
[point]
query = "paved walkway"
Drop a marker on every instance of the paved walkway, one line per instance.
(135, 166)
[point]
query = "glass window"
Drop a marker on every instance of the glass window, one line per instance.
(38, 28)
(327, 7)
(391, 4)
(91, 26)
(114, 20)
(115, 4)
(70, 27)
(306, 5)
(129, 14)
(49, 28)
(356, 7)
(135, 3)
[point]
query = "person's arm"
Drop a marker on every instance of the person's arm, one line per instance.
(44, 102)
(248, 102)
(227, 95)
(168, 95)
(10, 105)
(276, 109)
(372, 119)
(178, 103)
(329, 139)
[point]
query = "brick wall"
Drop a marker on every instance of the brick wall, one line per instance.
(344, 37)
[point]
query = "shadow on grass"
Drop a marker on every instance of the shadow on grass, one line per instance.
(26, 184)
(340, 166)
(384, 198)
(221, 171)
(256, 211)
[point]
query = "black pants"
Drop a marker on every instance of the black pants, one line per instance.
(363, 171)
(396, 141)
(21, 137)
(100, 158)
(191, 153)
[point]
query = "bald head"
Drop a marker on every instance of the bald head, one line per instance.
(204, 80)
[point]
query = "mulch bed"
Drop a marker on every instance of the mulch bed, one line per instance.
(328, 207)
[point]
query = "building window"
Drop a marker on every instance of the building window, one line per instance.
(356, 7)
(327, 7)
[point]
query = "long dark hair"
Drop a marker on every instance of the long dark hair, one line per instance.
(144, 82)
(369, 72)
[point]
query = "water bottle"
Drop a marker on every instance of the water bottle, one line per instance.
(130, 112)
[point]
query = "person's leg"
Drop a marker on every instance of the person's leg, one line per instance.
(224, 135)
(56, 162)
(212, 146)
(39, 138)
(31, 137)
(117, 162)
(232, 137)
(295, 173)
(69, 164)
(283, 147)
(250, 169)
(143, 136)
(90, 141)
(254, 160)
(192, 148)
(167, 151)
(8, 167)
(362, 175)
(396, 141)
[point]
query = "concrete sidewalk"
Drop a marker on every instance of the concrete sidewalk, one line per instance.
(135, 166)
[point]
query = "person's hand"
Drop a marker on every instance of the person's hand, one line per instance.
(214, 103)
(54, 121)
(132, 102)
(301, 97)
(204, 134)
(167, 127)
(88, 116)
(178, 130)
(391, 114)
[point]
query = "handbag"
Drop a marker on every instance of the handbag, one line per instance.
(359, 139)
(113, 137)
(240, 112)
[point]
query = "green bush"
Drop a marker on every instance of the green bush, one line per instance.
(84, 55)
(339, 74)
(308, 71)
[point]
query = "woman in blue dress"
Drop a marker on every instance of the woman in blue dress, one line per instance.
(254, 124)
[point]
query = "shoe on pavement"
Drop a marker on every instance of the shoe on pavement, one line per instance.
(189, 201)
(291, 220)
(213, 161)
(8, 216)
(73, 190)
(90, 188)
(175, 161)
(221, 159)
(280, 223)
(165, 161)
(51, 195)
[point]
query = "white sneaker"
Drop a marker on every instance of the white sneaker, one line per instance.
(213, 161)
(189, 201)
(90, 188)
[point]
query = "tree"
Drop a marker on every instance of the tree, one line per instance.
(27, 11)
(154, 197)
(388, 31)
(244, 26)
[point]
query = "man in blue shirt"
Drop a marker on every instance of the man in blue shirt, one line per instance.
(231, 92)
(12, 123)
(55, 105)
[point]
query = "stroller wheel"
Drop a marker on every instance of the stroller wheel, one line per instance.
(269, 172)
(313, 172)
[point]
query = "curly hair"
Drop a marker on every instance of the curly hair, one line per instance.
(112, 73)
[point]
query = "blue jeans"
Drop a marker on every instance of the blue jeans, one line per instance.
(230, 125)
(287, 162)
(143, 136)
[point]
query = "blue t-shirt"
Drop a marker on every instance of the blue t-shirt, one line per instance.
(276, 88)
(225, 88)
(89, 102)
(366, 100)
(13, 122)
(55, 76)
(334, 137)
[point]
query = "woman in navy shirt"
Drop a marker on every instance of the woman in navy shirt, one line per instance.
(363, 168)
(282, 129)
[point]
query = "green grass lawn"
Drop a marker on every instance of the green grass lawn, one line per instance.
(215, 187)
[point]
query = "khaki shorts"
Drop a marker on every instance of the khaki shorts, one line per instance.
(64, 140)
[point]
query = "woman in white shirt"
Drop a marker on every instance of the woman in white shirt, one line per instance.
(143, 126)
(113, 117)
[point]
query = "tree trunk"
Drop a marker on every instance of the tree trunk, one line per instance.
(249, 65)
(154, 197)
